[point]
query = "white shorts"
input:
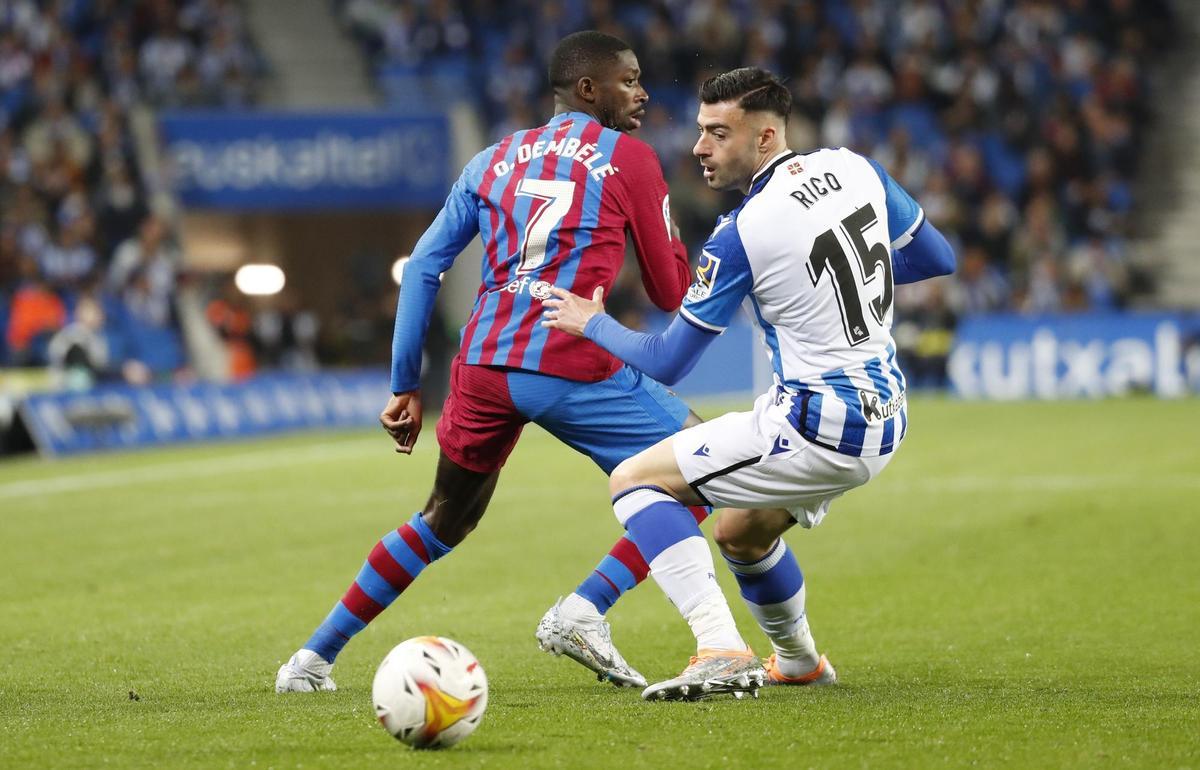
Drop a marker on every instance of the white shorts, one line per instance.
(758, 460)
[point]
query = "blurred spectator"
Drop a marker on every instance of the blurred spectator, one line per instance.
(36, 313)
(151, 255)
(78, 355)
(230, 316)
(69, 261)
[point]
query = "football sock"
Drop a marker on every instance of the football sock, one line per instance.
(622, 569)
(392, 565)
(669, 539)
(773, 588)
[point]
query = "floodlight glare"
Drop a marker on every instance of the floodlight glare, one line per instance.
(259, 280)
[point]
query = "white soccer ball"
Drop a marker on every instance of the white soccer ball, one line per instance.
(430, 692)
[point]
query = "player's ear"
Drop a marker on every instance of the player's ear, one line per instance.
(585, 89)
(767, 136)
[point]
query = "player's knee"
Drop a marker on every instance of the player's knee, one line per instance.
(447, 522)
(624, 476)
(443, 527)
(725, 536)
(733, 540)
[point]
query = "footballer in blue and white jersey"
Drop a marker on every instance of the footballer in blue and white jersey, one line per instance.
(814, 252)
(809, 255)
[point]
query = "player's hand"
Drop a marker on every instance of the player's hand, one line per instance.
(401, 418)
(569, 312)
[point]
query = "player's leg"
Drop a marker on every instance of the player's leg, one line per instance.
(782, 479)
(623, 567)
(477, 431)
(772, 586)
(455, 506)
(608, 421)
(650, 496)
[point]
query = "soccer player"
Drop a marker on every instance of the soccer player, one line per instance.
(552, 205)
(813, 250)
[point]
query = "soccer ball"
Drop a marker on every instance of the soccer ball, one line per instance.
(430, 692)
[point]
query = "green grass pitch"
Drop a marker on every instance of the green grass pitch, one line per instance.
(1021, 588)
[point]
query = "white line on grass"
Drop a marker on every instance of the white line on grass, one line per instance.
(1048, 483)
(186, 469)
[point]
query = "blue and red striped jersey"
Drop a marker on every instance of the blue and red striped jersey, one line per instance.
(552, 206)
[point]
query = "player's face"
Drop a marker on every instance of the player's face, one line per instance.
(620, 98)
(727, 147)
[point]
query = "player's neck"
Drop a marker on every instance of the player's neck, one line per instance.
(561, 106)
(765, 157)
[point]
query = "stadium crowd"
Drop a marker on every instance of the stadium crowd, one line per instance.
(1018, 124)
(88, 265)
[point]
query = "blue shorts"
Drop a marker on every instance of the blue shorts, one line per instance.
(608, 421)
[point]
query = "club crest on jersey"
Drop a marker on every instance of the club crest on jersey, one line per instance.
(706, 275)
(872, 410)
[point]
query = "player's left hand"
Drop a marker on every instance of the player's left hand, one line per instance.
(569, 312)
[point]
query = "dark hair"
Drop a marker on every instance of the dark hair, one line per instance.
(754, 90)
(580, 55)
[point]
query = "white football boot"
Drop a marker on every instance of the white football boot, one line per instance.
(306, 671)
(589, 644)
(713, 672)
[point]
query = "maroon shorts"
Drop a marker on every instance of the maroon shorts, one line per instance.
(480, 424)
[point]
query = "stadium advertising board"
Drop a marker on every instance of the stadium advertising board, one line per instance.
(121, 417)
(1077, 356)
(273, 161)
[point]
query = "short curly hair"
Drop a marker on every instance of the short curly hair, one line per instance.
(581, 55)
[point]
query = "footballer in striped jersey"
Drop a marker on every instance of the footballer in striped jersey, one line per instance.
(552, 205)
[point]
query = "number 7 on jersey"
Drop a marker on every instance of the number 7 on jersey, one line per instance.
(552, 200)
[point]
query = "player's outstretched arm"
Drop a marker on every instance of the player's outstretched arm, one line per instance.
(666, 357)
(401, 418)
(927, 255)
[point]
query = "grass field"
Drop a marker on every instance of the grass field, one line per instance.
(1021, 588)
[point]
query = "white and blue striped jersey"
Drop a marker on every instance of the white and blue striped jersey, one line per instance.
(809, 254)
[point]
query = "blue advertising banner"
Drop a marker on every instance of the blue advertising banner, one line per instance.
(1076, 356)
(270, 160)
(121, 417)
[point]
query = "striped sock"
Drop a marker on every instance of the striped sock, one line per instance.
(622, 569)
(773, 588)
(392, 565)
(670, 541)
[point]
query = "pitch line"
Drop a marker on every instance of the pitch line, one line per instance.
(258, 460)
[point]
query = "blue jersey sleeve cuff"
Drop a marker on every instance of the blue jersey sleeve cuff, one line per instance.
(701, 324)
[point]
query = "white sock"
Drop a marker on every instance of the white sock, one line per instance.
(683, 568)
(784, 622)
(796, 653)
(685, 573)
(712, 623)
(576, 609)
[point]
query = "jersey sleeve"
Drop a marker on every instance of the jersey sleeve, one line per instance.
(643, 197)
(904, 215)
(456, 224)
(723, 279)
